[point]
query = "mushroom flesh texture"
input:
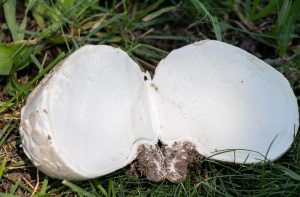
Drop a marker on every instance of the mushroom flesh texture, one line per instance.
(95, 112)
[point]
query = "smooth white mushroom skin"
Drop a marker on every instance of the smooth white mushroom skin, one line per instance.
(220, 98)
(95, 114)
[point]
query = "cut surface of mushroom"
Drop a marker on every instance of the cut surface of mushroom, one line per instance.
(89, 117)
(233, 106)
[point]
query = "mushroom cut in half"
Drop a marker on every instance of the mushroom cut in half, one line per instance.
(98, 112)
(89, 116)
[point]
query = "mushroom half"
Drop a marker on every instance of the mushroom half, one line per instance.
(98, 112)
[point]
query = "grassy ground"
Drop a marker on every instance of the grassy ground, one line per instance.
(36, 35)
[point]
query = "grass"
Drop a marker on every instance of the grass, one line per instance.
(36, 35)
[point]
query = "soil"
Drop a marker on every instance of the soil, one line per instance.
(177, 159)
(164, 163)
(149, 163)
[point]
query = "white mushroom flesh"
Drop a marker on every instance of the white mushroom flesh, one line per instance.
(233, 106)
(91, 114)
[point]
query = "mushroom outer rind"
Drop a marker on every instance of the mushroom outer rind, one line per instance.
(36, 135)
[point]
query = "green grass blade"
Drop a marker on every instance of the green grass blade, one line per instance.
(9, 8)
(2, 167)
(111, 189)
(29, 6)
(47, 32)
(99, 187)
(289, 173)
(267, 10)
(44, 187)
(144, 12)
(77, 189)
(156, 14)
(284, 27)
(15, 187)
(5, 129)
(214, 20)
(36, 62)
(2, 140)
(104, 24)
(124, 3)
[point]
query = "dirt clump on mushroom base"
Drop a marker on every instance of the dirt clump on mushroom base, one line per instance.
(164, 163)
(177, 160)
(149, 163)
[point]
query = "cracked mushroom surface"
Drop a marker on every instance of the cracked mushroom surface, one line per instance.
(95, 113)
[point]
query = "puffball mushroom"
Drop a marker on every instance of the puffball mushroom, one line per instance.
(95, 113)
